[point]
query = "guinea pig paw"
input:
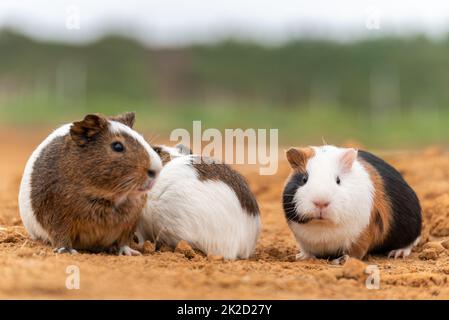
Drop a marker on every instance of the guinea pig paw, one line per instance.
(340, 261)
(65, 250)
(301, 256)
(404, 252)
(127, 251)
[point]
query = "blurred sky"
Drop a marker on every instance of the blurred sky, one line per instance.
(175, 22)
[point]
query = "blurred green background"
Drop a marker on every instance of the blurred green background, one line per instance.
(384, 92)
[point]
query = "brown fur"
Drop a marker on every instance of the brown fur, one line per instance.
(298, 157)
(83, 193)
(209, 170)
(379, 225)
(164, 155)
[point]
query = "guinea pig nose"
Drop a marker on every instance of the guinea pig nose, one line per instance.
(151, 173)
(321, 204)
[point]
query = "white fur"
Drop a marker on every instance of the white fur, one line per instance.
(206, 214)
(33, 227)
(350, 203)
(173, 151)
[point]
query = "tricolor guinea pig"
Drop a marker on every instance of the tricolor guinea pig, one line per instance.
(205, 203)
(342, 202)
(85, 185)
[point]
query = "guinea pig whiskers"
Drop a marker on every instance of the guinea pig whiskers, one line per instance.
(291, 220)
(153, 137)
(292, 212)
(125, 184)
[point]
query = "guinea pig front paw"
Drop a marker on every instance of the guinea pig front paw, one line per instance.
(302, 255)
(340, 261)
(127, 251)
(404, 252)
(65, 250)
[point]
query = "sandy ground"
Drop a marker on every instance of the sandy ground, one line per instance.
(30, 269)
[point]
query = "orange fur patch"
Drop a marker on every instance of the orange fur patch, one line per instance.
(298, 157)
(380, 221)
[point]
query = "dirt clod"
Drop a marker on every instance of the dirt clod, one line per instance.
(148, 247)
(434, 246)
(353, 269)
(445, 244)
(429, 254)
(185, 248)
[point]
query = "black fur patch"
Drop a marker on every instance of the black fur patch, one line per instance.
(296, 181)
(406, 210)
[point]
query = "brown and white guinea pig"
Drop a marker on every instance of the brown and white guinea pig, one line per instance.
(205, 203)
(342, 202)
(85, 185)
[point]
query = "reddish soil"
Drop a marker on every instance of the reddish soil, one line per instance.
(30, 269)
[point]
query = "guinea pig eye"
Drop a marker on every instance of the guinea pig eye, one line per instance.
(117, 147)
(338, 180)
(304, 179)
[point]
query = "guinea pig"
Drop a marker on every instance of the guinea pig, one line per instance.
(85, 185)
(342, 202)
(205, 203)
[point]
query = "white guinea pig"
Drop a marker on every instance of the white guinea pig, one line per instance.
(342, 202)
(205, 203)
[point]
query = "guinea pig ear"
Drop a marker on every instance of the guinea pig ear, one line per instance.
(298, 157)
(347, 159)
(182, 149)
(84, 131)
(127, 118)
(157, 149)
